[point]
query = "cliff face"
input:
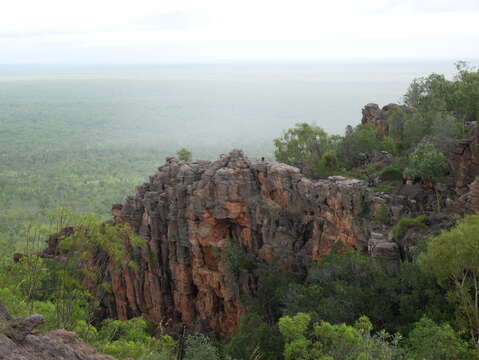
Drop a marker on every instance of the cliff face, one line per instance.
(188, 213)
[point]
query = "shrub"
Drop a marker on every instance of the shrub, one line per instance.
(200, 347)
(391, 174)
(426, 163)
(405, 224)
(451, 257)
(323, 340)
(430, 341)
(302, 146)
(254, 335)
(381, 215)
(184, 154)
(237, 259)
(131, 338)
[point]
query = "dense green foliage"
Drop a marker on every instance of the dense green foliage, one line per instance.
(438, 113)
(339, 287)
(430, 341)
(304, 146)
(452, 257)
(346, 307)
(324, 341)
(426, 163)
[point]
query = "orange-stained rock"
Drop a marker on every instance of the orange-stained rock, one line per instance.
(189, 212)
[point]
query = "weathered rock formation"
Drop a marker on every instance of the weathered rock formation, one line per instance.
(18, 343)
(462, 155)
(378, 117)
(464, 161)
(189, 212)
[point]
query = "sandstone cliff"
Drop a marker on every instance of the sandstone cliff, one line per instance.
(189, 212)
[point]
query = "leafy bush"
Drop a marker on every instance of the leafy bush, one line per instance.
(391, 174)
(426, 163)
(381, 215)
(184, 154)
(339, 288)
(429, 341)
(361, 139)
(301, 145)
(405, 224)
(200, 347)
(254, 336)
(129, 339)
(451, 257)
(237, 259)
(324, 340)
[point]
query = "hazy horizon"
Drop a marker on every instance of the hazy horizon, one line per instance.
(148, 31)
(209, 108)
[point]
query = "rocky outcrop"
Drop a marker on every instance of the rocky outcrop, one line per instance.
(464, 161)
(469, 202)
(378, 117)
(18, 343)
(189, 213)
(192, 215)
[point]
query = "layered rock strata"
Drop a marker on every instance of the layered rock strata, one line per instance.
(189, 213)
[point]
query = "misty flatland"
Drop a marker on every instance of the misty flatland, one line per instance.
(83, 137)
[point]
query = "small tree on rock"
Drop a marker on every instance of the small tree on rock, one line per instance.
(184, 154)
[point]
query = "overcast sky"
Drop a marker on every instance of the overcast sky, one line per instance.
(153, 31)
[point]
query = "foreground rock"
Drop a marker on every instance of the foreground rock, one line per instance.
(18, 343)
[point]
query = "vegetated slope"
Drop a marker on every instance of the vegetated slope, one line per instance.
(210, 227)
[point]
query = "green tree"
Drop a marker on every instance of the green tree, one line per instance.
(426, 163)
(184, 154)
(428, 94)
(452, 258)
(303, 147)
(430, 341)
(363, 139)
(435, 95)
(464, 100)
(130, 339)
(338, 287)
(323, 340)
(416, 126)
(254, 335)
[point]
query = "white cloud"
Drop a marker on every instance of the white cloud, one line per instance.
(191, 30)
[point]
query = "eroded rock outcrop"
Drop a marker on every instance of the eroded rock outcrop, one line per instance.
(379, 117)
(464, 161)
(17, 342)
(189, 212)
